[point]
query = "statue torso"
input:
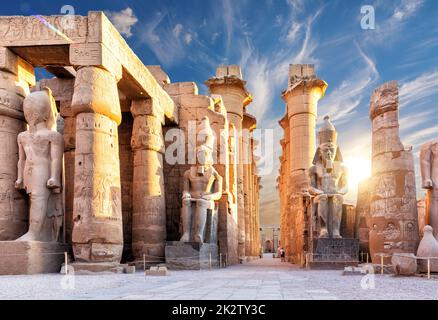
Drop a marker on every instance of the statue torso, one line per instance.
(328, 181)
(200, 183)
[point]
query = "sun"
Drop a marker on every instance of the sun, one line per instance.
(359, 169)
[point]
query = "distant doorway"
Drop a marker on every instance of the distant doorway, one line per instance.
(268, 246)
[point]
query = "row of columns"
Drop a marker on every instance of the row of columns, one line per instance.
(98, 229)
(229, 85)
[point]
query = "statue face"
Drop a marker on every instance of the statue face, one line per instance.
(328, 152)
(204, 156)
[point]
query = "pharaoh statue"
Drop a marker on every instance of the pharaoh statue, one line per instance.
(328, 182)
(39, 167)
(202, 187)
(429, 174)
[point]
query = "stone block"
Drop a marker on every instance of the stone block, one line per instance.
(404, 264)
(100, 267)
(157, 271)
(31, 257)
(191, 255)
(332, 253)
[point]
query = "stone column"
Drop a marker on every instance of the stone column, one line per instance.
(149, 209)
(228, 83)
(97, 231)
(14, 86)
(248, 125)
(302, 96)
(393, 217)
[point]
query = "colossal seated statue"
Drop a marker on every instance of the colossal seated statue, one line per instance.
(328, 182)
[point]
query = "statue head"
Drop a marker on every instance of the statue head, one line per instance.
(328, 151)
(204, 156)
(40, 106)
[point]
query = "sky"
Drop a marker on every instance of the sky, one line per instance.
(190, 38)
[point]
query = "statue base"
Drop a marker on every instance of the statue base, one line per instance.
(100, 268)
(191, 255)
(31, 257)
(330, 253)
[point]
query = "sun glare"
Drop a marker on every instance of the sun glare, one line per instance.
(359, 168)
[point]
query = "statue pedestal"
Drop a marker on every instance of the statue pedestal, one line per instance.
(330, 253)
(31, 257)
(101, 267)
(191, 255)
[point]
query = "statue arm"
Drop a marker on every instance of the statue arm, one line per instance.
(56, 152)
(186, 186)
(425, 164)
(313, 190)
(217, 192)
(343, 182)
(20, 165)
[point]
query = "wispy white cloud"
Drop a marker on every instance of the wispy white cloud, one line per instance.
(342, 102)
(391, 27)
(123, 20)
(420, 88)
(177, 30)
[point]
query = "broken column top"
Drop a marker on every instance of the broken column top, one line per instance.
(229, 71)
(384, 99)
(303, 74)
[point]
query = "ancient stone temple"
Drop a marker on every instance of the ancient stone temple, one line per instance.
(393, 219)
(127, 143)
(316, 226)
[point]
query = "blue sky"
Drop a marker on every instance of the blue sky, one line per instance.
(190, 38)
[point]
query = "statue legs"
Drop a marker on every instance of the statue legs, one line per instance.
(200, 219)
(186, 217)
(37, 216)
(323, 211)
(322, 201)
(200, 216)
(338, 200)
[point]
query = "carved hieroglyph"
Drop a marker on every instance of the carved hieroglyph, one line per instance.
(202, 187)
(429, 174)
(328, 182)
(393, 213)
(97, 230)
(39, 167)
(149, 208)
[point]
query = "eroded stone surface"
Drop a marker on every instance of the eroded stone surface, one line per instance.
(393, 206)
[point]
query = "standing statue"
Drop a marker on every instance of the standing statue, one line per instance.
(429, 174)
(39, 167)
(202, 187)
(328, 182)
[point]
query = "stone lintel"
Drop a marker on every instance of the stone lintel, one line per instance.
(10, 62)
(102, 46)
(96, 55)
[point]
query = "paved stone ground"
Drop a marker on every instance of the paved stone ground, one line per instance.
(264, 279)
